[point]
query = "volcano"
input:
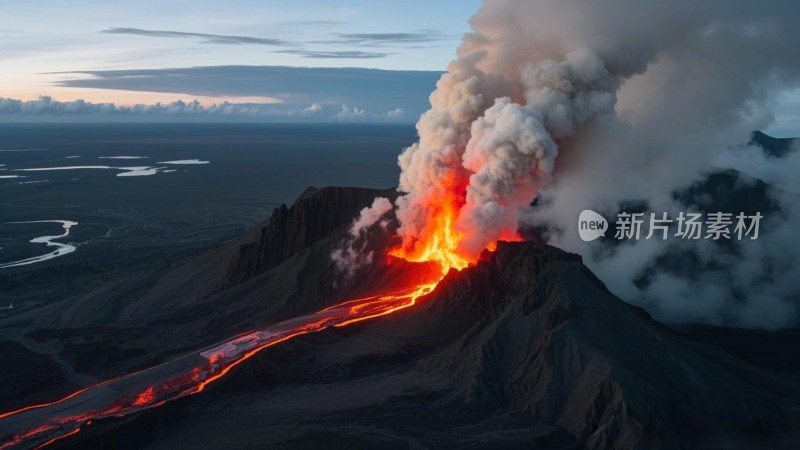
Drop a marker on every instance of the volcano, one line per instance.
(524, 349)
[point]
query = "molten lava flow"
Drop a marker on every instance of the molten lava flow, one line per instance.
(40, 425)
(439, 246)
(438, 241)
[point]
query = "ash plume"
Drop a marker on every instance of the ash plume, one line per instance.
(592, 105)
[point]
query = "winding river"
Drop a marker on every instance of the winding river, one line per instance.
(61, 249)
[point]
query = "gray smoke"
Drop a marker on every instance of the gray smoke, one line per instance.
(594, 105)
(353, 252)
(703, 76)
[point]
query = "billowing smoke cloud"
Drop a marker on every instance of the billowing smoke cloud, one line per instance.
(595, 105)
(708, 79)
(510, 155)
(495, 135)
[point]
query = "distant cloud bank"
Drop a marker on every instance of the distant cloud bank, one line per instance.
(370, 89)
(334, 94)
(46, 107)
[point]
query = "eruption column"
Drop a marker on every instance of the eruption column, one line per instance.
(486, 146)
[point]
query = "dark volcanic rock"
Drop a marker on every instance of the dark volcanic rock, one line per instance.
(240, 268)
(284, 269)
(550, 339)
(314, 216)
(776, 147)
(29, 377)
(528, 349)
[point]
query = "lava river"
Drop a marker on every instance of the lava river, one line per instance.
(40, 425)
(438, 245)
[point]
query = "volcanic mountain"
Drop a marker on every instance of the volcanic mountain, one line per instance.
(526, 349)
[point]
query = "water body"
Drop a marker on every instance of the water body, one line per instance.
(61, 248)
(185, 162)
(122, 157)
(126, 171)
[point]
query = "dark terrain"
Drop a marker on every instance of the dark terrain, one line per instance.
(133, 229)
(526, 350)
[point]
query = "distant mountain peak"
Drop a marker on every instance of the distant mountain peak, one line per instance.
(772, 146)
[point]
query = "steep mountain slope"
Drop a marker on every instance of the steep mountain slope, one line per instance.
(772, 146)
(316, 214)
(526, 350)
(284, 269)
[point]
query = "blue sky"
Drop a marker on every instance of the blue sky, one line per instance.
(56, 48)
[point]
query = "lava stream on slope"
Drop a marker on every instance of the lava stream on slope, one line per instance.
(41, 425)
(437, 247)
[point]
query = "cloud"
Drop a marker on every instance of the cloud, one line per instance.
(395, 113)
(787, 115)
(371, 89)
(350, 113)
(751, 160)
(316, 107)
(358, 39)
(314, 22)
(47, 107)
(383, 38)
(208, 38)
(345, 54)
(347, 113)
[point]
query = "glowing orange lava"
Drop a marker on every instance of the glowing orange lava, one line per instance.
(439, 240)
(41, 425)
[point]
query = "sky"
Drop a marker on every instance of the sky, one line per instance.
(236, 60)
(65, 50)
